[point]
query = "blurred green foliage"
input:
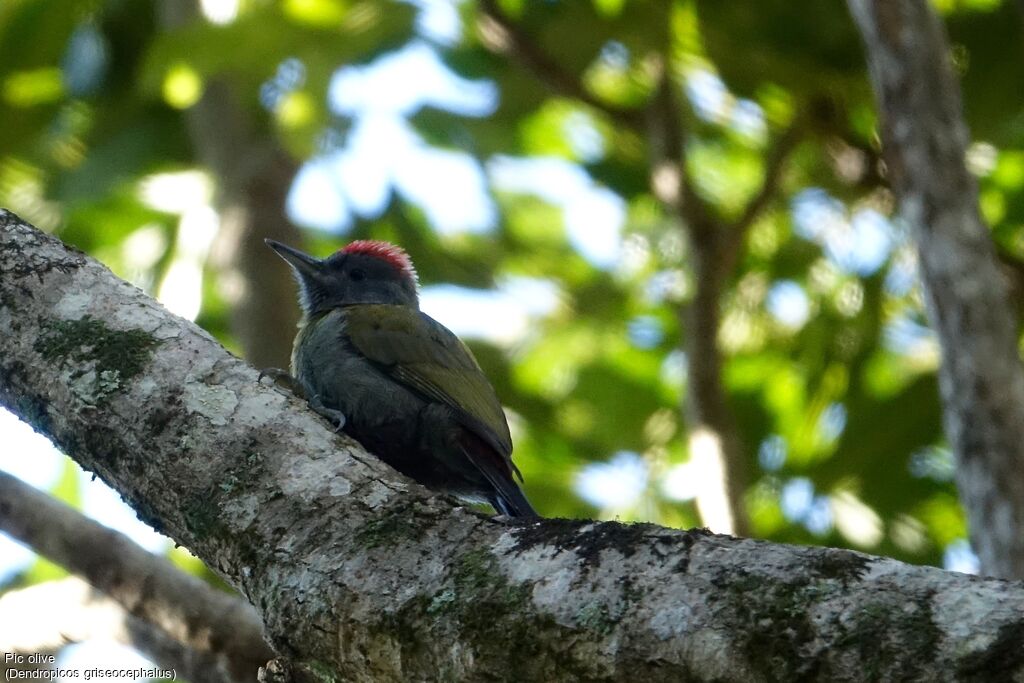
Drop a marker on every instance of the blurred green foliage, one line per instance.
(838, 413)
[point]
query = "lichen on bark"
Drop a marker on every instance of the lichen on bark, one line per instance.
(361, 575)
(101, 358)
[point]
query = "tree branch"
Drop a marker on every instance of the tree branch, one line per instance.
(360, 574)
(713, 439)
(774, 164)
(190, 611)
(670, 179)
(981, 377)
(76, 612)
(503, 34)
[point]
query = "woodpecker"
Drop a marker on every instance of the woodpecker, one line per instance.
(395, 379)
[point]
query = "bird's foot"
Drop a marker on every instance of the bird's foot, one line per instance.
(283, 379)
(335, 417)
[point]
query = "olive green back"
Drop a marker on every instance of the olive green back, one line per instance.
(426, 356)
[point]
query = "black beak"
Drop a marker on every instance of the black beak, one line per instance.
(300, 261)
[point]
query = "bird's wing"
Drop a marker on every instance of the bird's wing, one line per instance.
(426, 356)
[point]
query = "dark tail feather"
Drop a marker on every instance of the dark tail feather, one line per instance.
(511, 501)
(498, 470)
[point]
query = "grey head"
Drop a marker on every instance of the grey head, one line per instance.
(364, 272)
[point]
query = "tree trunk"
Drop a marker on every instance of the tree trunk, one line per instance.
(254, 175)
(714, 441)
(981, 377)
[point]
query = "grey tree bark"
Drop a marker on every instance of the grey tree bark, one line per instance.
(362, 575)
(217, 634)
(981, 377)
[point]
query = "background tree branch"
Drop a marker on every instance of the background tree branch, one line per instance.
(981, 378)
(713, 437)
(714, 442)
(775, 159)
(75, 612)
(224, 631)
(359, 572)
(503, 35)
(254, 174)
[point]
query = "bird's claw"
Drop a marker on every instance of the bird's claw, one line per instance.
(273, 373)
(284, 379)
(335, 417)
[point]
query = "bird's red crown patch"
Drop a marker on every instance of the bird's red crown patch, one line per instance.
(385, 251)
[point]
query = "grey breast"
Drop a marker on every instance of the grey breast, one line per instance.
(343, 379)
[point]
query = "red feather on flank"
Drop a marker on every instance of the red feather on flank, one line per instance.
(385, 251)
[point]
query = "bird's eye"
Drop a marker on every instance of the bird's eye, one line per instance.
(357, 275)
